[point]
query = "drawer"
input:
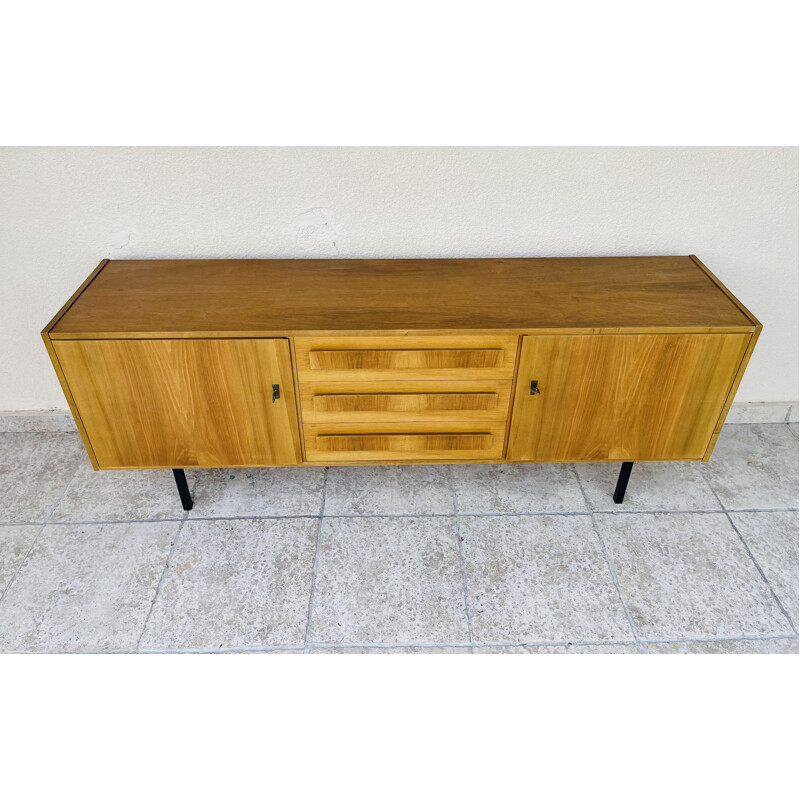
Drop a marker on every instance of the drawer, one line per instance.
(403, 401)
(349, 358)
(450, 441)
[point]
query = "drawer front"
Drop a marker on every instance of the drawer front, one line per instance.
(453, 441)
(403, 401)
(368, 358)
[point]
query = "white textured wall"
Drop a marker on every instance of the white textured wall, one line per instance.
(62, 210)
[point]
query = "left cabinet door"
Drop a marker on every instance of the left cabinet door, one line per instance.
(184, 402)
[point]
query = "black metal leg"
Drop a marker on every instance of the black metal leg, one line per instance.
(622, 481)
(183, 488)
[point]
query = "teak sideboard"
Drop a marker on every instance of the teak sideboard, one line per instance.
(246, 363)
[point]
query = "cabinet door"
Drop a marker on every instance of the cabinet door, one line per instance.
(184, 402)
(649, 397)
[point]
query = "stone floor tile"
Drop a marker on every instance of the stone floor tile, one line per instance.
(755, 466)
(274, 492)
(793, 427)
(723, 646)
(235, 583)
(654, 486)
(15, 541)
(390, 650)
(37, 423)
(385, 580)
(418, 489)
(516, 488)
(245, 584)
(34, 470)
(749, 413)
(772, 539)
(572, 649)
(540, 578)
(688, 575)
(85, 588)
(110, 495)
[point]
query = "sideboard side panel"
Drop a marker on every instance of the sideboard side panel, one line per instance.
(184, 403)
(732, 393)
(70, 400)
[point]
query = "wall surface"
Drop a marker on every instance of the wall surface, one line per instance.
(63, 210)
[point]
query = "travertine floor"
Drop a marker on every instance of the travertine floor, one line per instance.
(426, 559)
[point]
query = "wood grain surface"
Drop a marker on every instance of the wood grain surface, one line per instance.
(621, 398)
(366, 358)
(291, 296)
(170, 363)
(184, 403)
(403, 401)
(412, 442)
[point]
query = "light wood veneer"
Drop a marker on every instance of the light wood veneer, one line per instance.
(380, 441)
(410, 357)
(282, 297)
(188, 402)
(175, 363)
(404, 401)
(622, 397)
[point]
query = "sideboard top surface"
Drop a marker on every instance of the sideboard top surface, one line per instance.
(297, 296)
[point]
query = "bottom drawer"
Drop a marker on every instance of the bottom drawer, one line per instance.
(456, 441)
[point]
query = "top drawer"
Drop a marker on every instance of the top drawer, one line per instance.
(371, 358)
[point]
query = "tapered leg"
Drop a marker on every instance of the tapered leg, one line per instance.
(183, 488)
(622, 481)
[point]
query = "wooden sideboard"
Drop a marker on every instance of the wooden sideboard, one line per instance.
(245, 363)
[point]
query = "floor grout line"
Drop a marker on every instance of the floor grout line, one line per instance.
(209, 651)
(476, 644)
(461, 645)
(609, 563)
(42, 525)
(762, 573)
(764, 637)
(752, 557)
(95, 521)
(167, 565)
(722, 510)
(36, 523)
(462, 559)
(707, 481)
(316, 560)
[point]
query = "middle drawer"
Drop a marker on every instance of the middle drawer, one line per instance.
(403, 401)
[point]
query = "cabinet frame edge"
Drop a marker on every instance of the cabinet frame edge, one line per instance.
(75, 295)
(726, 291)
(298, 404)
(301, 334)
(62, 379)
(732, 391)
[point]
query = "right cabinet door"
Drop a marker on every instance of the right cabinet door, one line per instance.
(626, 397)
